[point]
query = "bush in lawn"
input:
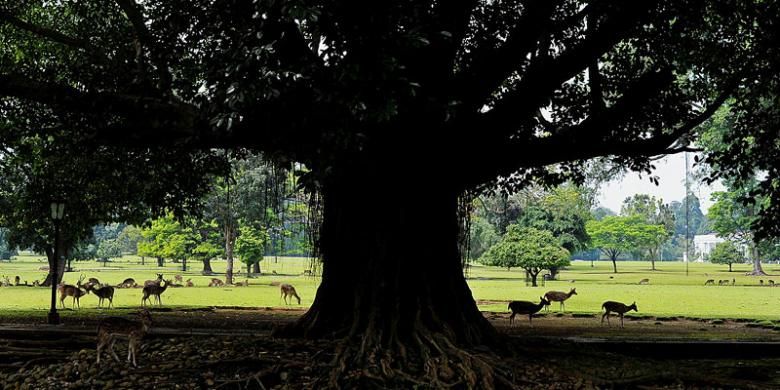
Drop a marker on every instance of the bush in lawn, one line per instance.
(530, 249)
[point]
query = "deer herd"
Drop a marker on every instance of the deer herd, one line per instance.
(530, 308)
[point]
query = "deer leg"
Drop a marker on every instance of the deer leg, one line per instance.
(101, 344)
(530, 320)
(159, 300)
(621, 320)
(111, 348)
(511, 318)
(562, 308)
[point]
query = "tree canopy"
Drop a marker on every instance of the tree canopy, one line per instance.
(530, 249)
(726, 253)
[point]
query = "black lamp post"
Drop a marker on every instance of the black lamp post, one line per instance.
(57, 211)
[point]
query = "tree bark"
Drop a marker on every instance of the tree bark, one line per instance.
(614, 264)
(757, 269)
(64, 253)
(729, 267)
(256, 267)
(160, 262)
(207, 267)
(230, 241)
(386, 298)
(533, 278)
(143, 260)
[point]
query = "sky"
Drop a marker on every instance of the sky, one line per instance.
(671, 174)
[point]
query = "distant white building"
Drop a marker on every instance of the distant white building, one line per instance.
(703, 244)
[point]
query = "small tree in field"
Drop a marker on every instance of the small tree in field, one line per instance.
(726, 253)
(250, 246)
(530, 249)
(616, 235)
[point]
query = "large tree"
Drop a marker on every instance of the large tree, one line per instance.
(654, 212)
(617, 235)
(735, 220)
(363, 93)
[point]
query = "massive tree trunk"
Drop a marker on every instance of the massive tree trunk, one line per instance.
(256, 268)
(207, 267)
(63, 254)
(757, 269)
(392, 282)
(160, 262)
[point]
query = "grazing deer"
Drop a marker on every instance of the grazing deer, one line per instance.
(36, 283)
(43, 268)
(644, 281)
(274, 272)
(189, 283)
(559, 296)
(771, 282)
(289, 290)
(616, 307)
(525, 307)
(722, 282)
(243, 284)
(156, 291)
(127, 283)
(216, 282)
(177, 278)
(110, 328)
(67, 290)
(733, 281)
(105, 292)
(155, 282)
(710, 281)
(761, 282)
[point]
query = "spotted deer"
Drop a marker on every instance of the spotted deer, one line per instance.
(616, 307)
(525, 307)
(154, 290)
(103, 293)
(189, 283)
(155, 282)
(111, 328)
(67, 290)
(289, 290)
(559, 296)
(127, 283)
(216, 282)
(177, 278)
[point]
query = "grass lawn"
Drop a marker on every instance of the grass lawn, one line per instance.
(670, 292)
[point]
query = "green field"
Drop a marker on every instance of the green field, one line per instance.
(670, 292)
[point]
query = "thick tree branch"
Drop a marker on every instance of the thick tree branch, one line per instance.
(49, 34)
(144, 37)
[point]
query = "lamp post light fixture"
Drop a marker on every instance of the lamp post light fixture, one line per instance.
(57, 211)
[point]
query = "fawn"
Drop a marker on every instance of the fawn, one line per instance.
(155, 282)
(189, 283)
(616, 307)
(154, 290)
(525, 307)
(105, 292)
(559, 296)
(289, 290)
(112, 327)
(67, 290)
(127, 283)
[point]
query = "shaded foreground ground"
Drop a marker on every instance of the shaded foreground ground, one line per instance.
(230, 348)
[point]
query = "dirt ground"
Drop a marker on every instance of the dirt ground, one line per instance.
(231, 348)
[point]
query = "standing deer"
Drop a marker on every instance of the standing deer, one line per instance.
(525, 307)
(105, 292)
(67, 290)
(559, 296)
(616, 307)
(156, 291)
(289, 290)
(155, 282)
(189, 283)
(112, 327)
(17, 280)
(127, 283)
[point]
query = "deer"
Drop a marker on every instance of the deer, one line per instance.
(17, 280)
(155, 282)
(771, 282)
(154, 290)
(67, 290)
(722, 282)
(189, 283)
(43, 268)
(289, 290)
(525, 307)
(104, 292)
(243, 284)
(559, 296)
(177, 278)
(127, 283)
(111, 328)
(216, 282)
(616, 307)
(644, 281)
(93, 281)
(710, 281)
(36, 283)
